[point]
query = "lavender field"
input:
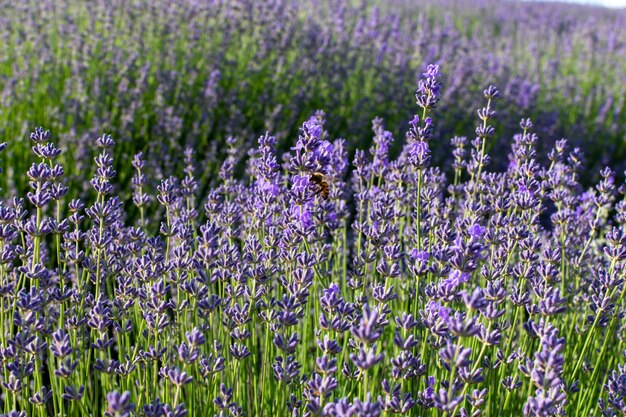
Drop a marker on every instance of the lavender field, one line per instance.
(312, 208)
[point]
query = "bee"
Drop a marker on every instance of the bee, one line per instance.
(323, 188)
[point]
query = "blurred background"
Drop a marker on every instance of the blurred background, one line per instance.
(604, 3)
(164, 75)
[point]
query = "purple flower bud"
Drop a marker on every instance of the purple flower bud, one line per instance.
(119, 405)
(366, 358)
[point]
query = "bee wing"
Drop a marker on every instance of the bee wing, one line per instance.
(330, 179)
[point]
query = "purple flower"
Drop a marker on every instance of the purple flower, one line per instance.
(119, 405)
(366, 358)
(304, 215)
(369, 329)
(436, 309)
(476, 231)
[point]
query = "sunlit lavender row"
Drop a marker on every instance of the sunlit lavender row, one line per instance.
(161, 75)
(317, 285)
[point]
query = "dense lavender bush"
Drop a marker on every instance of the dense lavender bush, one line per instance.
(162, 75)
(404, 292)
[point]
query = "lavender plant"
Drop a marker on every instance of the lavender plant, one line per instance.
(403, 291)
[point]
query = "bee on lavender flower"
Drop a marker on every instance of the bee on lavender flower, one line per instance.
(322, 184)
